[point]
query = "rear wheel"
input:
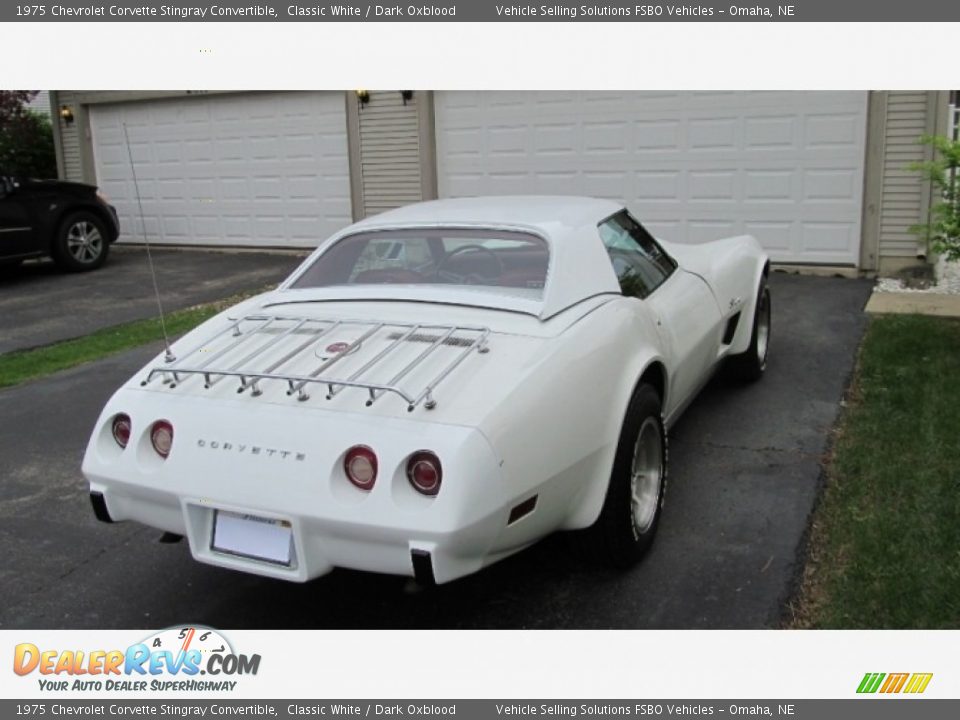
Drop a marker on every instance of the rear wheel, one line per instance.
(81, 242)
(751, 364)
(631, 510)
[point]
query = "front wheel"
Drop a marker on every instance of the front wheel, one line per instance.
(634, 500)
(751, 364)
(81, 242)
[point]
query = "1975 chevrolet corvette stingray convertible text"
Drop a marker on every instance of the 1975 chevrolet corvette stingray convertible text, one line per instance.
(433, 389)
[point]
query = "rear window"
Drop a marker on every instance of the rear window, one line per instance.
(484, 258)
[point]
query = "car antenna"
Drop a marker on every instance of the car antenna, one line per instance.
(168, 355)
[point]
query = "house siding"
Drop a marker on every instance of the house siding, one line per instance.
(905, 196)
(41, 103)
(70, 137)
(390, 158)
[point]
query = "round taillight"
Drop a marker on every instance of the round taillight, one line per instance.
(360, 465)
(121, 429)
(161, 437)
(424, 472)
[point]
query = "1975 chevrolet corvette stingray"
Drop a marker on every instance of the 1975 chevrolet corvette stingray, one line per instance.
(434, 389)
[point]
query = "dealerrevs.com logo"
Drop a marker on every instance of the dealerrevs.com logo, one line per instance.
(175, 659)
(893, 683)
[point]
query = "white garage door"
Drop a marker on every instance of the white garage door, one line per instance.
(260, 169)
(786, 167)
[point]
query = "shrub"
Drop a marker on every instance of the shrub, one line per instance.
(943, 230)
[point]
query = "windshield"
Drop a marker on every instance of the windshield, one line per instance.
(486, 258)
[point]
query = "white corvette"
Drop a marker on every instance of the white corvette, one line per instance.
(434, 389)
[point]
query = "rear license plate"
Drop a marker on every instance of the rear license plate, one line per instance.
(253, 537)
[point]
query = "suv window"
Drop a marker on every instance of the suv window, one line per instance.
(640, 263)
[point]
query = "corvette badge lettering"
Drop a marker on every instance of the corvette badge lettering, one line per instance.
(252, 449)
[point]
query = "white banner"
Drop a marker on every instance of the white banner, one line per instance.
(490, 664)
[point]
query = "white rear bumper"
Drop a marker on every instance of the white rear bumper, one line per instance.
(285, 463)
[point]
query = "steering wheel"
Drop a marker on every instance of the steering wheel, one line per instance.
(469, 278)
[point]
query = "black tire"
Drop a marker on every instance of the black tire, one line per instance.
(81, 242)
(749, 366)
(624, 532)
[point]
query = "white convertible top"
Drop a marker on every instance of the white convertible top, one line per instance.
(579, 265)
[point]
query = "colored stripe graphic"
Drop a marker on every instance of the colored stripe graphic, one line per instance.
(870, 682)
(918, 682)
(894, 683)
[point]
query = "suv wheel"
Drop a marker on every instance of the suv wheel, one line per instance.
(81, 242)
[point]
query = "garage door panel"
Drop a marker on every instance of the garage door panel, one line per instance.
(663, 186)
(839, 184)
(605, 138)
(778, 236)
(247, 169)
(606, 184)
(713, 186)
(554, 183)
(832, 131)
(712, 135)
(689, 164)
(773, 132)
(767, 186)
(513, 183)
(706, 230)
(656, 135)
(826, 237)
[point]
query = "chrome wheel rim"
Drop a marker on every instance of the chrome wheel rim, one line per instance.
(763, 328)
(84, 242)
(646, 475)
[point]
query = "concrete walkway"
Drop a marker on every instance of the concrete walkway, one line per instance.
(940, 304)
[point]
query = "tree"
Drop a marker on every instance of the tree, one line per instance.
(26, 137)
(13, 104)
(943, 172)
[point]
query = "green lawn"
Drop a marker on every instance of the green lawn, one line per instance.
(885, 542)
(17, 367)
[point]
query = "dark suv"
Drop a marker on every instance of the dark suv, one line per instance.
(71, 222)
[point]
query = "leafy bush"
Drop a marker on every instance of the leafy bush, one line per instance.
(26, 137)
(943, 230)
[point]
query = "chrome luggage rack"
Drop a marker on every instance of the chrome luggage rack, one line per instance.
(280, 329)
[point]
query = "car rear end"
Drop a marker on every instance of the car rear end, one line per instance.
(270, 476)
(291, 492)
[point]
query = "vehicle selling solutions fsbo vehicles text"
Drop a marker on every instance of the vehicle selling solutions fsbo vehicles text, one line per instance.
(573, 12)
(602, 11)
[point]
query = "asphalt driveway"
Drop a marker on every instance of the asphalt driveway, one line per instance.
(39, 304)
(745, 471)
